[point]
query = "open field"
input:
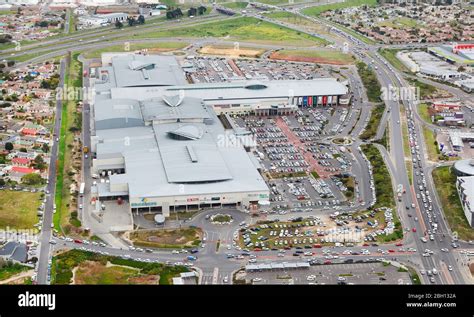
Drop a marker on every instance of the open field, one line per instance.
(235, 5)
(426, 91)
(91, 272)
(83, 267)
(151, 47)
(10, 269)
(391, 56)
(18, 209)
(431, 147)
(423, 111)
(317, 10)
(445, 183)
(230, 51)
(294, 19)
(241, 28)
(312, 56)
(400, 23)
(167, 238)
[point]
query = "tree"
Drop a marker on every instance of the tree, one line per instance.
(45, 147)
(192, 12)
(32, 179)
(118, 25)
(24, 150)
(39, 163)
(2, 182)
(141, 19)
(201, 10)
(9, 146)
(131, 21)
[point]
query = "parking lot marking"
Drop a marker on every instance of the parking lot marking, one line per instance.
(215, 275)
(299, 145)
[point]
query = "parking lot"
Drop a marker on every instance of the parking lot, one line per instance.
(310, 233)
(206, 69)
(299, 163)
(355, 273)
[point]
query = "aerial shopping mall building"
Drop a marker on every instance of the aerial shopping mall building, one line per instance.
(163, 141)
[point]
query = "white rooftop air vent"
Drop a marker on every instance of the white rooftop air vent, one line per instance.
(139, 65)
(187, 132)
(173, 101)
(255, 85)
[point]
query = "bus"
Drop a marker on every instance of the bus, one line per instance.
(81, 189)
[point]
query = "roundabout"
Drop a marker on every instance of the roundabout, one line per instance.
(221, 219)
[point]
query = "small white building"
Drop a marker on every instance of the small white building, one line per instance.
(465, 187)
(114, 17)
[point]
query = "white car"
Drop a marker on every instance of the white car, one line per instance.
(175, 252)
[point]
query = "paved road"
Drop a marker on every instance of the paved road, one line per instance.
(46, 230)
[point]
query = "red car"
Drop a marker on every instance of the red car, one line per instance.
(257, 249)
(391, 251)
(317, 246)
(399, 244)
(327, 262)
(414, 229)
(77, 241)
(365, 245)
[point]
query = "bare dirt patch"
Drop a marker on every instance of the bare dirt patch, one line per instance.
(306, 59)
(231, 52)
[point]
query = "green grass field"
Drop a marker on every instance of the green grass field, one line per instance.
(398, 23)
(235, 5)
(281, 2)
(161, 46)
(18, 209)
(317, 10)
(445, 182)
(423, 112)
(242, 28)
(430, 140)
(291, 18)
(391, 56)
(320, 56)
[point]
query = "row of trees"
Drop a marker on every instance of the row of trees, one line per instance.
(131, 21)
(45, 24)
(9, 147)
(199, 11)
(177, 13)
